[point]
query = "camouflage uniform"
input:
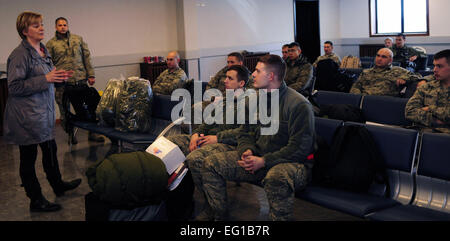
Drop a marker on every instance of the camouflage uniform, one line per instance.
(217, 82)
(332, 56)
(403, 54)
(226, 138)
(70, 52)
(436, 97)
(168, 81)
(298, 73)
(429, 78)
(286, 169)
(382, 81)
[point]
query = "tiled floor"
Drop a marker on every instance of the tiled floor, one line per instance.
(246, 202)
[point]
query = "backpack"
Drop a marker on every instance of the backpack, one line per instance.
(353, 161)
(343, 112)
(350, 62)
(326, 72)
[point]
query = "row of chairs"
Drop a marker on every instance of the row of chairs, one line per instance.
(422, 63)
(162, 106)
(418, 171)
(379, 109)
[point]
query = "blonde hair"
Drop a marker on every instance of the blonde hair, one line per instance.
(25, 19)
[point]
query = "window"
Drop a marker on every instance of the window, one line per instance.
(390, 17)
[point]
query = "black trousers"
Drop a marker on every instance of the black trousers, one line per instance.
(28, 155)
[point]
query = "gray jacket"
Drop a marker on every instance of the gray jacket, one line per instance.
(30, 111)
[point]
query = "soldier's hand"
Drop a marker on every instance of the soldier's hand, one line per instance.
(426, 108)
(91, 80)
(57, 76)
(439, 122)
(401, 82)
(413, 58)
(421, 83)
(193, 142)
(253, 163)
(205, 140)
(247, 153)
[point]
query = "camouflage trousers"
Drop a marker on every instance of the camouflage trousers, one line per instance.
(195, 159)
(279, 182)
(59, 92)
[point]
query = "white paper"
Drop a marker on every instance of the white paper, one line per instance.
(168, 152)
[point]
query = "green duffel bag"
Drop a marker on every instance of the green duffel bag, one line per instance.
(129, 180)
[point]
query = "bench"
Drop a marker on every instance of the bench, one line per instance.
(431, 201)
(385, 110)
(161, 117)
(417, 191)
(397, 147)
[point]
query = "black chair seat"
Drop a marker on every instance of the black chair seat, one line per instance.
(352, 203)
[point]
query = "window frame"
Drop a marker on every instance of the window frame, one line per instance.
(373, 21)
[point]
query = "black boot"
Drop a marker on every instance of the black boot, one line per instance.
(43, 205)
(66, 186)
(74, 140)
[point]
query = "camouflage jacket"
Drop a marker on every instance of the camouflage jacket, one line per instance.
(436, 97)
(402, 55)
(167, 81)
(382, 81)
(429, 78)
(217, 82)
(226, 133)
(298, 73)
(71, 53)
(332, 56)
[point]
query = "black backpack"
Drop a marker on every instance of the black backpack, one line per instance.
(326, 71)
(345, 112)
(352, 163)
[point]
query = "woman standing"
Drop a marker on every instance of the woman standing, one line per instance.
(30, 111)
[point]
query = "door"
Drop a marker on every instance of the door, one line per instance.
(307, 31)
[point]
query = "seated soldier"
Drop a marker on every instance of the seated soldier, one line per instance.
(172, 78)
(388, 42)
(217, 82)
(277, 161)
(328, 48)
(208, 139)
(285, 52)
(299, 71)
(430, 107)
(403, 54)
(383, 79)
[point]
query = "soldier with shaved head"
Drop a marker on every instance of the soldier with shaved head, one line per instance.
(383, 78)
(172, 78)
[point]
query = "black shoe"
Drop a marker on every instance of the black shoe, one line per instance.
(42, 205)
(66, 186)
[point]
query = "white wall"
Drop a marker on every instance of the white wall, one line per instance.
(330, 27)
(119, 33)
(215, 28)
(110, 27)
